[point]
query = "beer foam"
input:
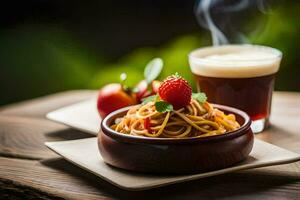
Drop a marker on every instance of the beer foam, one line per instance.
(235, 61)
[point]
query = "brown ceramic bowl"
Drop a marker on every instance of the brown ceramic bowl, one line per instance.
(168, 155)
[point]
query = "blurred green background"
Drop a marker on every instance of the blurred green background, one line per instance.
(50, 46)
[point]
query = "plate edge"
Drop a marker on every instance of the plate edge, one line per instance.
(181, 180)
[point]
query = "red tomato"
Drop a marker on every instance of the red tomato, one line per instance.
(143, 90)
(112, 97)
(147, 124)
(155, 85)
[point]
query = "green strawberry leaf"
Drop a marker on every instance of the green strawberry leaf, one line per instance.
(152, 98)
(200, 97)
(153, 69)
(162, 106)
(177, 75)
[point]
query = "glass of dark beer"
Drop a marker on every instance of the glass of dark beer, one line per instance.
(240, 76)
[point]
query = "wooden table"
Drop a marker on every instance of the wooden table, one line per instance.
(28, 169)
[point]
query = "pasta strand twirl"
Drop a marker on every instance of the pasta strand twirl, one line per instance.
(195, 120)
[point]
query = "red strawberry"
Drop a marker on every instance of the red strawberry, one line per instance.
(176, 91)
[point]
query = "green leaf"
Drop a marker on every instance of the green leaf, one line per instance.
(162, 106)
(149, 99)
(153, 69)
(200, 97)
(177, 75)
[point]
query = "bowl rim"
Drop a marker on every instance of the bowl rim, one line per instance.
(149, 140)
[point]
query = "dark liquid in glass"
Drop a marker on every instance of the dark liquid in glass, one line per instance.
(252, 95)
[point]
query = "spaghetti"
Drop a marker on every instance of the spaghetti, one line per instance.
(194, 120)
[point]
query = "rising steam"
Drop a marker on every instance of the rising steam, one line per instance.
(221, 16)
(203, 8)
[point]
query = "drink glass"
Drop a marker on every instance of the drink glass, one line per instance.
(240, 76)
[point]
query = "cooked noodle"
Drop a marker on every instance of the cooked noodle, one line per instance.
(195, 120)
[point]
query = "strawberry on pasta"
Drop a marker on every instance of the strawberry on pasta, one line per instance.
(176, 91)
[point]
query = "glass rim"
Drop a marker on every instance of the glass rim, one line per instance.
(277, 54)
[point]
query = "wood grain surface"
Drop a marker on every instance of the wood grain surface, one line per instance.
(40, 106)
(29, 170)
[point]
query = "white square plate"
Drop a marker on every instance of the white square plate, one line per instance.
(82, 116)
(84, 153)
